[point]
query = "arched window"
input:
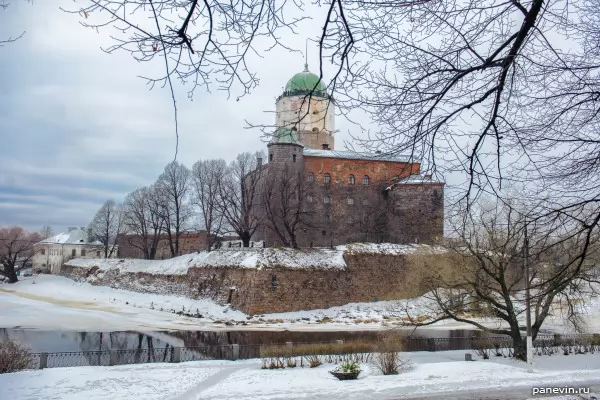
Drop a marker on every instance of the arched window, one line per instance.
(327, 199)
(326, 178)
(351, 180)
(350, 201)
(366, 180)
(310, 177)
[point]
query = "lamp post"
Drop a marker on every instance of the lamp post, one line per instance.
(528, 304)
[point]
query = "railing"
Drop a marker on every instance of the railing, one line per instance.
(236, 351)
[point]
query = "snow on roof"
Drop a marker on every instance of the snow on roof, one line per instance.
(353, 155)
(258, 258)
(417, 178)
(75, 236)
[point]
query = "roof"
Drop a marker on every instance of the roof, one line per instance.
(353, 155)
(417, 179)
(76, 236)
(305, 82)
(285, 136)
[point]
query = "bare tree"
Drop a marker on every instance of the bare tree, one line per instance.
(483, 273)
(284, 203)
(208, 177)
(240, 195)
(143, 221)
(46, 232)
(16, 249)
(3, 6)
(107, 225)
(173, 187)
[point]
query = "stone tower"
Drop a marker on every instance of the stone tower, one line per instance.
(307, 109)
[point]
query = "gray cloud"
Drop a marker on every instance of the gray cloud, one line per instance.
(78, 126)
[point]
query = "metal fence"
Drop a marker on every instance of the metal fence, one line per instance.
(235, 351)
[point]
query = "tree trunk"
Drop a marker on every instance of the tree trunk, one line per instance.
(11, 274)
(519, 346)
(246, 239)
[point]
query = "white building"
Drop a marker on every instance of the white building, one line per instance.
(52, 253)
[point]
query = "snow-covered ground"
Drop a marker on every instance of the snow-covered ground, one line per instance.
(431, 373)
(59, 303)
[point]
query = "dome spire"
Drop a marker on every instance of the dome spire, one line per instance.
(306, 56)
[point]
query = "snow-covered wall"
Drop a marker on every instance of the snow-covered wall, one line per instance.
(268, 280)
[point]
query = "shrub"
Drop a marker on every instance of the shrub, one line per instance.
(313, 360)
(387, 354)
(13, 357)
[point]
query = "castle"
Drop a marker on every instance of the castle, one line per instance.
(312, 194)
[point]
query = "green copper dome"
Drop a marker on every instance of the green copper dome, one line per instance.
(285, 136)
(303, 83)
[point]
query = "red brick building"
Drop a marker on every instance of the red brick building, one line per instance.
(347, 196)
(138, 246)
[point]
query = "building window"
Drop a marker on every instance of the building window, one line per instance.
(43, 251)
(350, 179)
(350, 219)
(271, 157)
(82, 252)
(326, 178)
(366, 180)
(310, 177)
(293, 158)
(327, 218)
(309, 198)
(97, 253)
(350, 201)
(327, 199)
(323, 233)
(73, 252)
(365, 202)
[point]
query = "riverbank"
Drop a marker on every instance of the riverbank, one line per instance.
(48, 302)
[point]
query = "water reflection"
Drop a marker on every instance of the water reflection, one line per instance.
(146, 342)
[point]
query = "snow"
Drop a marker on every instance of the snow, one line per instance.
(56, 302)
(390, 248)
(442, 373)
(76, 236)
(246, 258)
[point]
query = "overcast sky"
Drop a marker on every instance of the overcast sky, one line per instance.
(78, 126)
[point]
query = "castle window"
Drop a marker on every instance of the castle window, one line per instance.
(350, 179)
(82, 252)
(323, 233)
(366, 180)
(310, 177)
(327, 199)
(350, 219)
(327, 178)
(271, 157)
(309, 198)
(293, 158)
(350, 201)
(327, 218)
